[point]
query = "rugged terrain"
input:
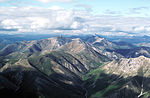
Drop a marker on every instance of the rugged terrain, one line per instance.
(120, 79)
(71, 67)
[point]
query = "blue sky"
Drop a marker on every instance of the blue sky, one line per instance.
(123, 7)
(105, 17)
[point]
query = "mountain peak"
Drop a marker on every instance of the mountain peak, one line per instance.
(78, 40)
(98, 39)
(75, 46)
(142, 57)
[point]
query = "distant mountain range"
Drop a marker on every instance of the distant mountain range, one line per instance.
(74, 67)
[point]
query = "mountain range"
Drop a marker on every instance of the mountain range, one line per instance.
(74, 67)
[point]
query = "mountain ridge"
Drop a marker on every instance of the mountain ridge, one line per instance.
(74, 67)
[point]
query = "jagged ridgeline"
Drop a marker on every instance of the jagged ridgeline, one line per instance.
(68, 67)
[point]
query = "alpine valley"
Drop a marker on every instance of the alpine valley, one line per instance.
(83, 66)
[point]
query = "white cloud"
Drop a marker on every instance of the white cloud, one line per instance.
(35, 18)
(55, 7)
(56, 19)
(140, 29)
(10, 24)
(148, 28)
(38, 22)
(75, 25)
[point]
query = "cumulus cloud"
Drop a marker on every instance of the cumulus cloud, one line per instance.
(30, 18)
(140, 29)
(58, 20)
(9, 24)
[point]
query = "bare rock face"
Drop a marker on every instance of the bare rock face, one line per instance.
(129, 67)
(102, 45)
(136, 72)
(100, 42)
(75, 46)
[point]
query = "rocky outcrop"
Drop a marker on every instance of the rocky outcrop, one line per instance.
(129, 67)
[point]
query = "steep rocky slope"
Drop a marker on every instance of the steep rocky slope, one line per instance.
(102, 45)
(100, 42)
(129, 67)
(135, 69)
(120, 79)
(85, 52)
